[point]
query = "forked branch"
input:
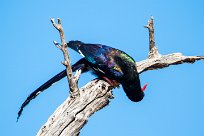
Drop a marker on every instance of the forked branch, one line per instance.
(72, 114)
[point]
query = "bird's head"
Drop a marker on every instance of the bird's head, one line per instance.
(134, 94)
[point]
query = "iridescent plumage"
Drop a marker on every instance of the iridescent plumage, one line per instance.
(113, 64)
(107, 63)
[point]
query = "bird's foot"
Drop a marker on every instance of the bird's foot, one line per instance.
(112, 83)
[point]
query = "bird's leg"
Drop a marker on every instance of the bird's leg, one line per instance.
(112, 83)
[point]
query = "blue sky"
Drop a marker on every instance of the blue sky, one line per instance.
(174, 101)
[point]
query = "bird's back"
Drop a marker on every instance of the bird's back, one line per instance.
(101, 57)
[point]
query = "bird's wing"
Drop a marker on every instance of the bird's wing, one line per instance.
(102, 58)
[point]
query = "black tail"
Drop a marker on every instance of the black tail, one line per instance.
(79, 64)
(41, 89)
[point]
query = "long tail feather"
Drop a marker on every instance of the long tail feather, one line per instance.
(79, 64)
(43, 87)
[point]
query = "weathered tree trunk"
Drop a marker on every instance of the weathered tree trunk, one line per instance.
(74, 112)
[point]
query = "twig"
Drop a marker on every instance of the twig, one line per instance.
(77, 75)
(71, 81)
(153, 51)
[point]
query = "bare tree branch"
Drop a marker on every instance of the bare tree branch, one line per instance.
(71, 80)
(71, 116)
(153, 51)
(73, 113)
(165, 61)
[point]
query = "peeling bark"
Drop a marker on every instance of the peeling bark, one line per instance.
(71, 116)
(74, 112)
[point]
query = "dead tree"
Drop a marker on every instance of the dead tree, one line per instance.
(74, 112)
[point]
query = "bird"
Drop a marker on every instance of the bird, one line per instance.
(107, 63)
